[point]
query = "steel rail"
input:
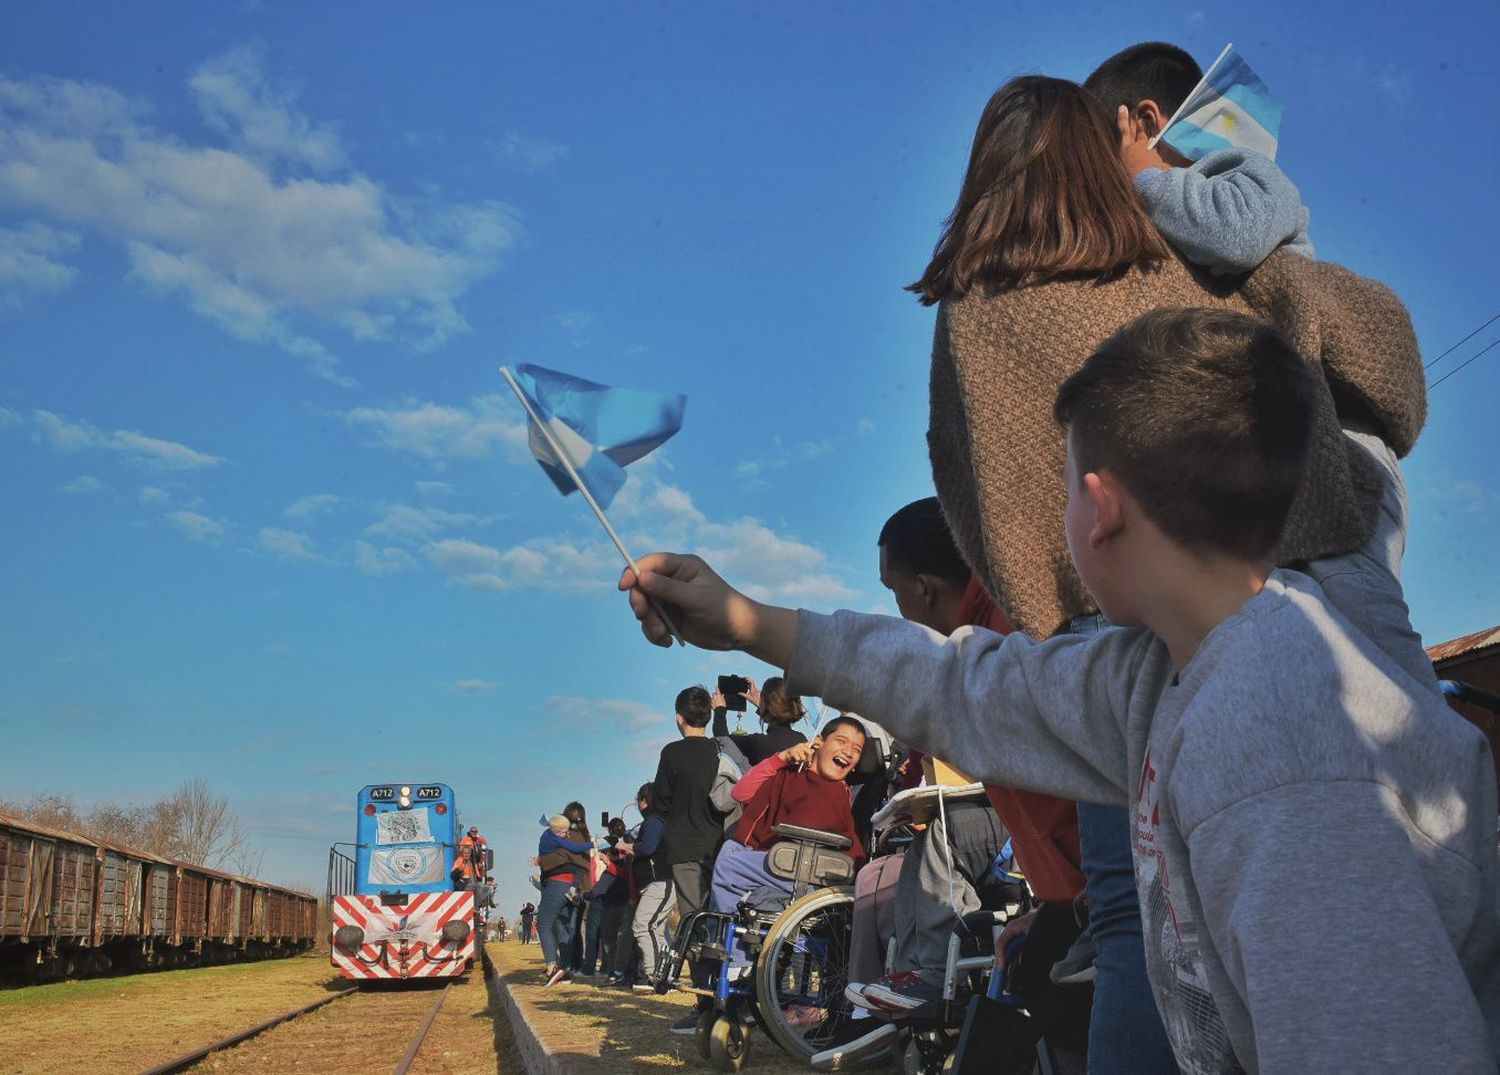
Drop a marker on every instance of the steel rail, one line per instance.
(416, 1042)
(186, 1060)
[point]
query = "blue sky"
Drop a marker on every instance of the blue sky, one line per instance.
(271, 518)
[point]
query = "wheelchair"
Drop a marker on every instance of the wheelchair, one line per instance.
(798, 951)
(924, 1041)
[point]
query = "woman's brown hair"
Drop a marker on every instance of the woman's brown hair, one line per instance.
(1044, 195)
(777, 706)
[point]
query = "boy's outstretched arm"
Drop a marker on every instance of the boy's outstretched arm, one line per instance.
(1046, 717)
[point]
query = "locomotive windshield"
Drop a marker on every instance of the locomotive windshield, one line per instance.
(407, 835)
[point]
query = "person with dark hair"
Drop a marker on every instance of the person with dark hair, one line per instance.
(681, 796)
(1226, 210)
(526, 916)
(653, 883)
(1048, 252)
(777, 711)
(948, 864)
(1255, 733)
(803, 785)
(563, 855)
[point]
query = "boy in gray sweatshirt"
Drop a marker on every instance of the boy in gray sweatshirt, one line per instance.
(1314, 829)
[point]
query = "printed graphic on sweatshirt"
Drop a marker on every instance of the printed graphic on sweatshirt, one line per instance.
(1173, 954)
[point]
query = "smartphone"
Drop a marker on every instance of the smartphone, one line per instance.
(731, 687)
(604, 820)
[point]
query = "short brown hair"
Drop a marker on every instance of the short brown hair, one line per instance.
(1045, 195)
(1206, 416)
(695, 706)
(777, 706)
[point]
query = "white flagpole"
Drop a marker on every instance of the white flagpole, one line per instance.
(1182, 108)
(583, 489)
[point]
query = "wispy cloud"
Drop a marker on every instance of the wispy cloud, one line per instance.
(75, 436)
(196, 526)
(765, 564)
(475, 686)
(382, 560)
(310, 507)
(31, 259)
(84, 483)
(528, 153)
(288, 544)
(403, 522)
(438, 432)
(266, 233)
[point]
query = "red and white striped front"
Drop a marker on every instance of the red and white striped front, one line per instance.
(405, 941)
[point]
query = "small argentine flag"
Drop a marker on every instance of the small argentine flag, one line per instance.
(1229, 108)
(600, 429)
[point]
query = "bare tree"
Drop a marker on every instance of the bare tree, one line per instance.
(192, 825)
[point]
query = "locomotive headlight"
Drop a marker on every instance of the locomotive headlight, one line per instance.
(406, 792)
(455, 930)
(404, 802)
(348, 938)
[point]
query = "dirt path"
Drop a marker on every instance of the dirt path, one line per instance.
(126, 1024)
(626, 1031)
(370, 1031)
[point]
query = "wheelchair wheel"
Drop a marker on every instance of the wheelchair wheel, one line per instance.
(728, 1043)
(802, 970)
(705, 1032)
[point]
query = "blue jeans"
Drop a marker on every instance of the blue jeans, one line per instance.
(591, 923)
(555, 920)
(1126, 1036)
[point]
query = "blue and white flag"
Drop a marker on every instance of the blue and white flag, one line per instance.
(600, 429)
(1230, 108)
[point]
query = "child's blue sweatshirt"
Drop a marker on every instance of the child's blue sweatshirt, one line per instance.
(1228, 211)
(552, 842)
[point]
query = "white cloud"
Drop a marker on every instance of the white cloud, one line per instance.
(575, 324)
(475, 686)
(30, 260)
(435, 431)
(402, 522)
(645, 729)
(74, 436)
(529, 154)
(764, 564)
(154, 494)
(278, 649)
(198, 527)
(864, 427)
(84, 483)
(287, 544)
(238, 101)
(310, 507)
(434, 488)
(385, 560)
(243, 234)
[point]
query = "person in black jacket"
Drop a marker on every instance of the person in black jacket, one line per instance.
(777, 710)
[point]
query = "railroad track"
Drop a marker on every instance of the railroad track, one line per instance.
(187, 1060)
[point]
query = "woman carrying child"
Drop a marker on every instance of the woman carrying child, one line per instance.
(1047, 253)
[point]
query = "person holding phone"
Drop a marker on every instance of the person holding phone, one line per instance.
(777, 710)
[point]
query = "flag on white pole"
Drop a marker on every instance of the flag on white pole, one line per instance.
(1230, 108)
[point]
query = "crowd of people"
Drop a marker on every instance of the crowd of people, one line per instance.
(1155, 608)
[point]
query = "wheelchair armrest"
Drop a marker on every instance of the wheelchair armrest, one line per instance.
(802, 834)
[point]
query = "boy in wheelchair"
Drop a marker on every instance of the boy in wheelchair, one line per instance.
(803, 786)
(796, 836)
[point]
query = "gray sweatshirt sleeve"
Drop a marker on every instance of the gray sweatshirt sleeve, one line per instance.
(1043, 716)
(1228, 211)
(1329, 929)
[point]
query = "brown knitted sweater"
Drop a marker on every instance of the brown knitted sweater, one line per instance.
(999, 356)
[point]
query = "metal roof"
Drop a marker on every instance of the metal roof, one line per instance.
(22, 825)
(1459, 647)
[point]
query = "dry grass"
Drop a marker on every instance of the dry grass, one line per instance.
(132, 1022)
(626, 1031)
